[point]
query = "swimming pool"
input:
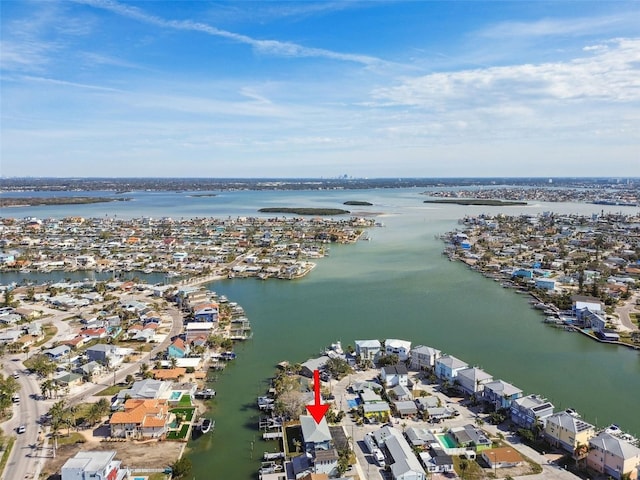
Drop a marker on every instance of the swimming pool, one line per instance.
(174, 396)
(447, 440)
(353, 403)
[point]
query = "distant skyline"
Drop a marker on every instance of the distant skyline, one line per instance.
(101, 88)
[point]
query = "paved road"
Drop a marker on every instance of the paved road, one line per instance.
(624, 311)
(26, 462)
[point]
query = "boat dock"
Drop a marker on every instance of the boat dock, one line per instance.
(271, 435)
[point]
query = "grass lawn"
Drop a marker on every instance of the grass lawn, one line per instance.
(72, 439)
(184, 402)
(188, 412)
(112, 390)
(5, 454)
(472, 471)
(49, 331)
(180, 435)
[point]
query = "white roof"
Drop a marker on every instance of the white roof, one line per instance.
(368, 343)
(199, 326)
(395, 343)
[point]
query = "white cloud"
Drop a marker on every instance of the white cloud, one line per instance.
(563, 27)
(611, 74)
(273, 47)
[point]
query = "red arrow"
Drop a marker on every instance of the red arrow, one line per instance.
(317, 410)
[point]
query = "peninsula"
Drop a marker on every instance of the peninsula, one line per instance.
(33, 201)
(477, 201)
(305, 211)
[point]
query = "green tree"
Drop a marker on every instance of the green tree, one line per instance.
(181, 468)
(8, 388)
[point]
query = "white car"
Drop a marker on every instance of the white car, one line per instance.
(22, 429)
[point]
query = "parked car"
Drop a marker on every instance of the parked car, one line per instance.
(22, 429)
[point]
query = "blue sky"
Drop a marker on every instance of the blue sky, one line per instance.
(320, 89)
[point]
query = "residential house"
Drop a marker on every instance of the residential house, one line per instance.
(105, 354)
(472, 380)
(424, 358)
(613, 456)
(143, 389)
(57, 354)
(198, 329)
(90, 370)
(94, 466)
(405, 408)
(531, 411)
(568, 431)
(374, 408)
(404, 463)
(368, 349)
(500, 393)
(393, 375)
(470, 436)
(206, 312)
(448, 366)
(141, 419)
(581, 303)
(502, 457)
(437, 461)
(312, 364)
(316, 435)
(326, 461)
(402, 393)
(401, 348)
(420, 438)
(178, 349)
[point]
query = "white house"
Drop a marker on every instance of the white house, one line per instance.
(424, 358)
(402, 348)
(393, 375)
(94, 466)
(368, 349)
(472, 380)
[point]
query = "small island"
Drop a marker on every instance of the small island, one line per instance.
(33, 201)
(358, 203)
(305, 211)
(477, 201)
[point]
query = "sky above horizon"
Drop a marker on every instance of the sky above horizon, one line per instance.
(319, 89)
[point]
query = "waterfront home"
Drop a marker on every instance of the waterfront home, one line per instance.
(582, 303)
(316, 436)
(368, 349)
(437, 461)
(393, 375)
(502, 457)
(94, 465)
(472, 380)
(404, 463)
(198, 329)
(424, 358)
(500, 393)
(206, 312)
(568, 431)
(531, 411)
(613, 456)
(141, 419)
(448, 366)
(470, 436)
(312, 364)
(401, 348)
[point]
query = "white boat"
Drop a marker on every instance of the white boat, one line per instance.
(206, 425)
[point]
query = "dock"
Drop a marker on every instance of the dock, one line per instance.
(271, 435)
